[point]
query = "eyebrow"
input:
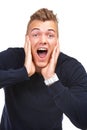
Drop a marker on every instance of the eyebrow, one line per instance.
(39, 29)
(35, 29)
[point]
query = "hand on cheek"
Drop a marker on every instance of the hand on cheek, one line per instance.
(49, 70)
(29, 65)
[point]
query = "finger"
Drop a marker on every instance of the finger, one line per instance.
(27, 45)
(57, 51)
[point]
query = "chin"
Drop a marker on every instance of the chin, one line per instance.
(41, 64)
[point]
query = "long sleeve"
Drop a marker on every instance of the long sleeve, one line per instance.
(12, 76)
(12, 69)
(70, 92)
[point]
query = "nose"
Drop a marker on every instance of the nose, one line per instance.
(43, 39)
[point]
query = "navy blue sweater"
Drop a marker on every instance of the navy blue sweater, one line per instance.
(31, 105)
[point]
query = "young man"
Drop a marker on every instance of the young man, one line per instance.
(40, 82)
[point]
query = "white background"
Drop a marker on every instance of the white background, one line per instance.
(72, 15)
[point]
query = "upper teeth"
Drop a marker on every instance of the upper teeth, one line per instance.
(42, 49)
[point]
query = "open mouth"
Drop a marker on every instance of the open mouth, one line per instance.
(42, 52)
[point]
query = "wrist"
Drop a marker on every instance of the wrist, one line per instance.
(51, 80)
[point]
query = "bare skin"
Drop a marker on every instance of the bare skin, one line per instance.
(41, 38)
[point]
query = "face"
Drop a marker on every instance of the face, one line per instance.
(43, 38)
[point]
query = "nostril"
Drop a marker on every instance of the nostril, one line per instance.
(43, 43)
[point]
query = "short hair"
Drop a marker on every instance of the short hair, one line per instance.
(43, 14)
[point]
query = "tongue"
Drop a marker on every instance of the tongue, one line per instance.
(42, 55)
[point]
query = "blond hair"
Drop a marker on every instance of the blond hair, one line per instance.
(43, 14)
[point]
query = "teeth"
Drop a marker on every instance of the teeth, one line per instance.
(41, 49)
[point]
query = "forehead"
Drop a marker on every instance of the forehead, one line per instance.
(43, 26)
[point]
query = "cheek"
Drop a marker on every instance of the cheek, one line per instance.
(53, 46)
(53, 42)
(33, 46)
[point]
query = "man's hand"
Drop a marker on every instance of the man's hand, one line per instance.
(29, 65)
(49, 70)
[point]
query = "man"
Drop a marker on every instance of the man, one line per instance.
(40, 82)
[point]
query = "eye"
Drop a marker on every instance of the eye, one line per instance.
(50, 35)
(35, 35)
